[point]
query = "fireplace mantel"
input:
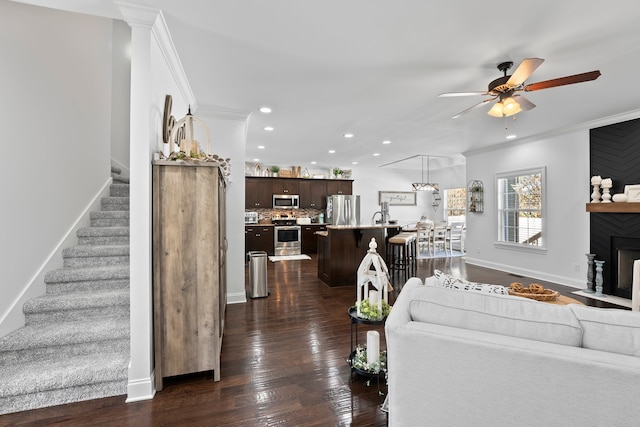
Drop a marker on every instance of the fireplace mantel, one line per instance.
(621, 207)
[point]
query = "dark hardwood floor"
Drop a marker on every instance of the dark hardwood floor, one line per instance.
(283, 363)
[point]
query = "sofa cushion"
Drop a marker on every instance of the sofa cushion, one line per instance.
(499, 314)
(611, 330)
(447, 281)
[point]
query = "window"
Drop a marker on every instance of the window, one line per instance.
(456, 204)
(520, 208)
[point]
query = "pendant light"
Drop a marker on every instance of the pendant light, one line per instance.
(425, 186)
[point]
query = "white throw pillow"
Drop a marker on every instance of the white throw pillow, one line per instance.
(447, 281)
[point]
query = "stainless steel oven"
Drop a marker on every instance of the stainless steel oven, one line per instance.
(287, 239)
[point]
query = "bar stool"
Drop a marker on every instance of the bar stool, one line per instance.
(402, 253)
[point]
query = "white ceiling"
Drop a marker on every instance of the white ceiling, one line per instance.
(375, 68)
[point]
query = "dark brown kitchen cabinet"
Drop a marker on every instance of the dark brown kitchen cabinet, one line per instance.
(339, 186)
(313, 194)
(309, 238)
(285, 186)
(259, 238)
(258, 193)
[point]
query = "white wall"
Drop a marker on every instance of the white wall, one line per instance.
(566, 157)
(368, 181)
(228, 138)
(120, 95)
(56, 100)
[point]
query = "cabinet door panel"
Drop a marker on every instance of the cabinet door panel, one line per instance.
(313, 194)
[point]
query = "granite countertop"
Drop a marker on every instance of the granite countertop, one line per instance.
(361, 226)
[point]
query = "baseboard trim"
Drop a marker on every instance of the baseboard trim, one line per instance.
(561, 280)
(236, 298)
(141, 389)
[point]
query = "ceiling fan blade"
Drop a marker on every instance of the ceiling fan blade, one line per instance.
(525, 104)
(450, 94)
(568, 80)
(480, 104)
(524, 70)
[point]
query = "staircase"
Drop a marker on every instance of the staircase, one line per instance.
(75, 344)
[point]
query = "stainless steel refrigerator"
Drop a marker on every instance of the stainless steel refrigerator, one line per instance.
(343, 209)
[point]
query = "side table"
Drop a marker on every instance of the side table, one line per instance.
(355, 321)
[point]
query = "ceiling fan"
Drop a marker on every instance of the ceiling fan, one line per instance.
(504, 88)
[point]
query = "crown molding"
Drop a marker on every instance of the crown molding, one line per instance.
(153, 19)
(225, 113)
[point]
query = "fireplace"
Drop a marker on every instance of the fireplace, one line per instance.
(615, 234)
(624, 250)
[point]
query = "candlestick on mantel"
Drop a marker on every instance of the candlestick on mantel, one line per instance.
(373, 347)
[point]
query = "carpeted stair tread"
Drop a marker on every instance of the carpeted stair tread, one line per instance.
(109, 218)
(95, 250)
(65, 333)
(77, 301)
(108, 214)
(103, 231)
(95, 255)
(66, 372)
(80, 274)
(87, 286)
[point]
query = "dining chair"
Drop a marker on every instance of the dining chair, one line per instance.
(424, 229)
(455, 234)
(439, 236)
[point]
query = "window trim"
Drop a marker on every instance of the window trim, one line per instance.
(542, 170)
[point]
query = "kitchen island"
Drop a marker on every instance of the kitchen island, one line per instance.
(341, 249)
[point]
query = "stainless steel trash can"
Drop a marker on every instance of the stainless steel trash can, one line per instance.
(257, 274)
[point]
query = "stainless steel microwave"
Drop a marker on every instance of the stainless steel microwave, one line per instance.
(286, 201)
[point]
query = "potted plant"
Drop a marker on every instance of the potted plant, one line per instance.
(336, 172)
(275, 170)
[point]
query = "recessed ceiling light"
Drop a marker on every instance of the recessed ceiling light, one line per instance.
(354, 163)
(376, 154)
(261, 147)
(386, 142)
(268, 128)
(265, 110)
(256, 160)
(348, 135)
(332, 151)
(512, 136)
(313, 163)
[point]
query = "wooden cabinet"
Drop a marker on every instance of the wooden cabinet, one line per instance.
(313, 194)
(189, 257)
(258, 193)
(284, 186)
(339, 186)
(259, 238)
(309, 238)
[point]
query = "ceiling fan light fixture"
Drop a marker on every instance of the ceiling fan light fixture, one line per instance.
(496, 110)
(510, 106)
(505, 107)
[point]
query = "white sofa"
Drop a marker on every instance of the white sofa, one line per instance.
(467, 358)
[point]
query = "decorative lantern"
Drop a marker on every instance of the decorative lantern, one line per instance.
(378, 277)
(183, 133)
